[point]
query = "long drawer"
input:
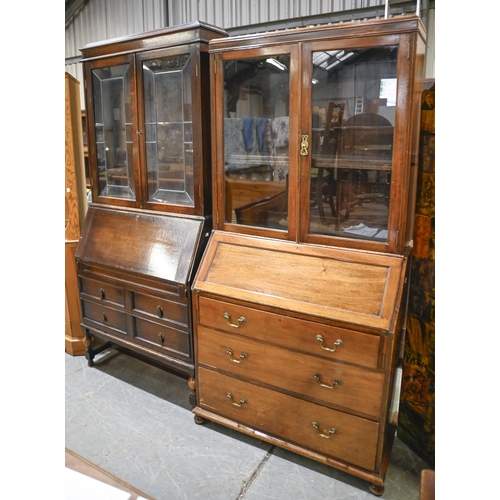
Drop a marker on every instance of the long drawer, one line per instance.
(339, 384)
(333, 433)
(323, 340)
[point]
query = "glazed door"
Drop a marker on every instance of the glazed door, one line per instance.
(257, 92)
(113, 129)
(166, 87)
(351, 108)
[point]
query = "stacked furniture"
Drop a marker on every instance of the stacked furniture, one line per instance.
(148, 135)
(75, 209)
(299, 312)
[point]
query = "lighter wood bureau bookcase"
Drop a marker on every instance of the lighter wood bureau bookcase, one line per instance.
(147, 111)
(299, 302)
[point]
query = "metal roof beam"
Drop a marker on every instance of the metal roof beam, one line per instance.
(72, 7)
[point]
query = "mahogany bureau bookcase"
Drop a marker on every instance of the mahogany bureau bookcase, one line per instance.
(147, 109)
(300, 298)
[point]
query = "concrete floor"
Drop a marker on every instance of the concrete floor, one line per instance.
(134, 421)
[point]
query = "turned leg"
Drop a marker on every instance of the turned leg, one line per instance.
(89, 352)
(192, 394)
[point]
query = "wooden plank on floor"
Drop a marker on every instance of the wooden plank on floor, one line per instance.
(79, 464)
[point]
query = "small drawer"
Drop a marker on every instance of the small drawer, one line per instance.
(315, 338)
(334, 433)
(105, 292)
(163, 337)
(160, 308)
(333, 383)
(105, 317)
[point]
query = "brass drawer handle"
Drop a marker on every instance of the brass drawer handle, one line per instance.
(159, 311)
(336, 382)
(161, 338)
(240, 404)
(104, 318)
(243, 356)
(321, 434)
(337, 343)
(102, 294)
(304, 145)
(240, 320)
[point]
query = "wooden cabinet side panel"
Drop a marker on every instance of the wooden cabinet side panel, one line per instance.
(73, 332)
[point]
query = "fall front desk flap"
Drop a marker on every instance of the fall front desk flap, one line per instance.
(350, 286)
(156, 245)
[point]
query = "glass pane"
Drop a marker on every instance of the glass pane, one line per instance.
(169, 130)
(113, 129)
(256, 140)
(353, 111)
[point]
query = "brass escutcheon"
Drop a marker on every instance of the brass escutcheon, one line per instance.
(304, 145)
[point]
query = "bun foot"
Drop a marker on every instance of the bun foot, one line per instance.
(198, 420)
(376, 489)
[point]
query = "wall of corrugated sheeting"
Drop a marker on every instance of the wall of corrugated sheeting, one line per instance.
(98, 20)
(246, 12)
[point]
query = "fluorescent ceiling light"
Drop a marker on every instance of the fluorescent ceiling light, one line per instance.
(349, 54)
(276, 63)
(332, 65)
(341, 56)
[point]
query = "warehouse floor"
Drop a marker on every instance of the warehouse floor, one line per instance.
(134, 421)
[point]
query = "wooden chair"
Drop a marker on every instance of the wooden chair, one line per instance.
(370, 136)
(322, 180)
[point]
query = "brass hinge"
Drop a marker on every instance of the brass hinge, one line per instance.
(196, 71)
(409, 51)
(217, 217)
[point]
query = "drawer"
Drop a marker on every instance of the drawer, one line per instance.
(163, 337)
(105, 316)
(331, 382)
(354, 439)
(334, 343)
(160, 308)
(105, 292)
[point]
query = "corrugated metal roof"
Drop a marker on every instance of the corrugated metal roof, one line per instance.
(95, 20)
